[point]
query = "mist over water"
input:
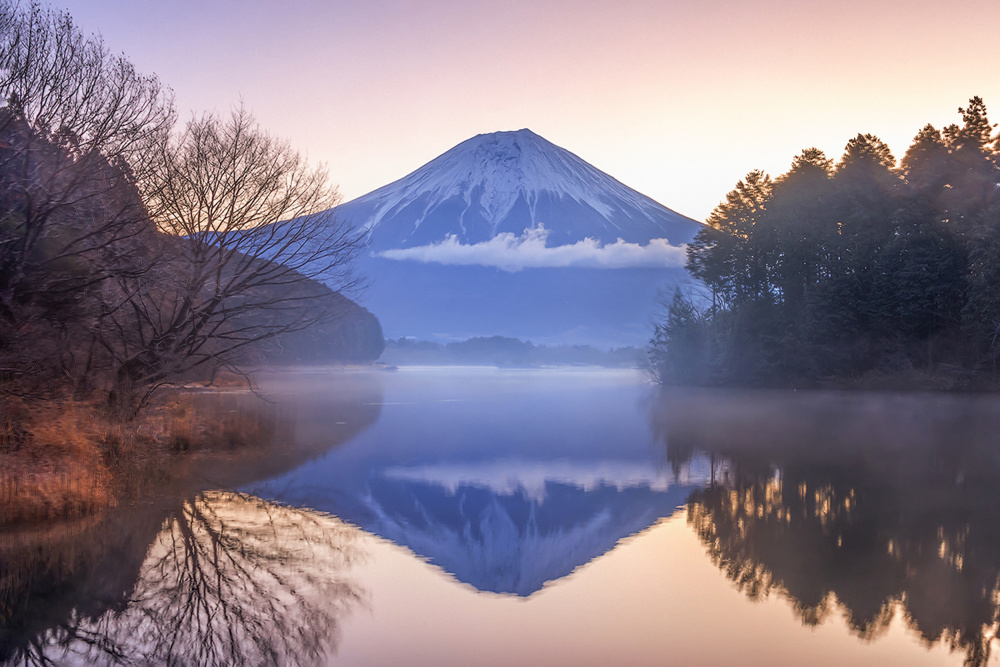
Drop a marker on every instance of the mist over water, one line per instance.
(577, 516)
(507, 479)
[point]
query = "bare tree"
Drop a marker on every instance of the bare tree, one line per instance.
(74, 124)
(131, 256)
(246, 239)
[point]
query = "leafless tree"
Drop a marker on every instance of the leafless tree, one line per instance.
(131, 255)
(246, 238)
(75, 121)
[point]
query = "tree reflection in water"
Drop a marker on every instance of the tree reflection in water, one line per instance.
(872, 505)
(229, 580)
(201, 577)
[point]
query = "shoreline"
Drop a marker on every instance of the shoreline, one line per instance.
(67, 460)
(64, 460)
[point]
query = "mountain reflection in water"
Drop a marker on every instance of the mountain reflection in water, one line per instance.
(870, 504)
(505, 479)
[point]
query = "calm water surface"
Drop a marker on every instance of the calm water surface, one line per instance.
(496, 517)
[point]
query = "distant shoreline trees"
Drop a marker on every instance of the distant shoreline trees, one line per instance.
(838, 270)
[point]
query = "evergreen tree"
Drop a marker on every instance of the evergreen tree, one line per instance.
(926, 164)
(865, 200)
(678, 353)
(972, 171)
(734, 254)
(838, 270)
(803, 222)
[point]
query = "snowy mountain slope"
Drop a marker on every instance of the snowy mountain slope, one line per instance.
(507, 182)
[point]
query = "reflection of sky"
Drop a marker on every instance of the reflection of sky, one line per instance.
(678, 100)
(468, 417)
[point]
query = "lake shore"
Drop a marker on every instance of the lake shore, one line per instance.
(65, 459)
(943, 378)
(62, 459)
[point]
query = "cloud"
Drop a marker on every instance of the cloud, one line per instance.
(529, 250)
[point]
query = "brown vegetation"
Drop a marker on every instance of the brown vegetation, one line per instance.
(69, 459)
(52, 466)
(136, 255)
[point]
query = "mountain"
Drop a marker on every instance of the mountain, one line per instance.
(337, 330)
(508, 234)
(351, 335)
(507, 182)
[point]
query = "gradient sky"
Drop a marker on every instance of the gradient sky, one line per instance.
(675, 99)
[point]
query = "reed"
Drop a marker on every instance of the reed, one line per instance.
(66, 459)
(51, 467)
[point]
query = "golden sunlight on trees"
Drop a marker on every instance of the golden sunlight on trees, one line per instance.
(852, 509)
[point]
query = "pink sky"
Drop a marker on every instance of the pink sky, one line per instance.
(675, 99)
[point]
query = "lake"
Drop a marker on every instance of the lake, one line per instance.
(458, 516)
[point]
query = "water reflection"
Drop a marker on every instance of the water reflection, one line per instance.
(227, 579)
(512, 536)
(195, 575)
(861, 506)
(507, 480)
(871, 505)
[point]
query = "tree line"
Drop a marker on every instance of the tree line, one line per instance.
(834, 270)
(136, 250)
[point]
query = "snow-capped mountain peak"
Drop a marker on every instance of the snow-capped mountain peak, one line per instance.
(507, 182)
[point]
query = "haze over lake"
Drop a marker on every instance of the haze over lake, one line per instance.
(579, 516)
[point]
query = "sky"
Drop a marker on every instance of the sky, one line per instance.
(677, 99)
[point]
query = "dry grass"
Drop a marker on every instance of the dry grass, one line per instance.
(219, 421)
(65, 459)
(208, 421)
(51, 467)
